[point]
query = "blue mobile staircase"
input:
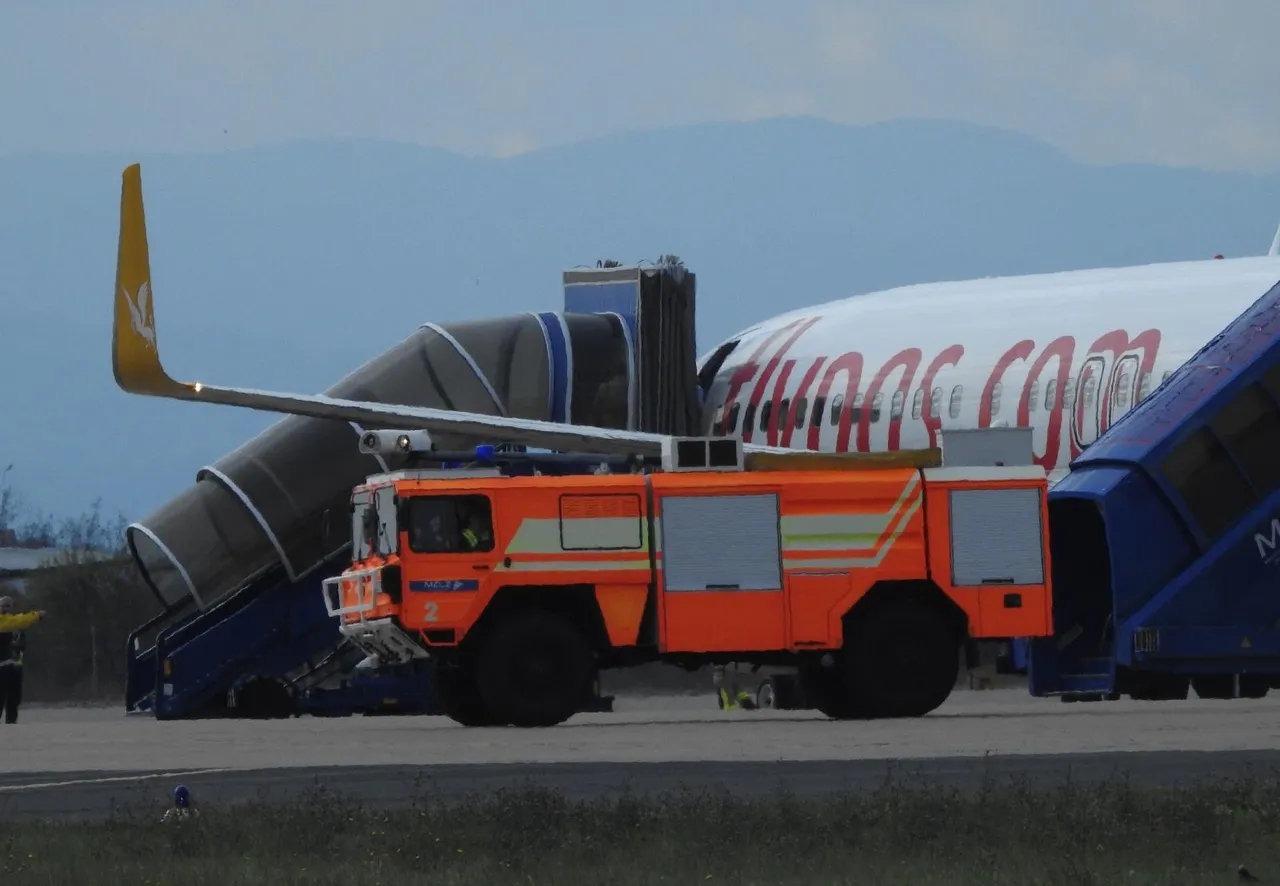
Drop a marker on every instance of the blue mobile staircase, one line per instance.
(1165, 535)
(268, 650)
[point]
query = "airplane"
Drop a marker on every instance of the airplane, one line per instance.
(1065, 354)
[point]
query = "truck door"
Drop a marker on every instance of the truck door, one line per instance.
(721, 573)
(448, 559)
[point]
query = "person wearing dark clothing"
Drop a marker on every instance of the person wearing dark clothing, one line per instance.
(13, 643)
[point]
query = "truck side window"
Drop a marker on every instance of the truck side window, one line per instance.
(450, 524)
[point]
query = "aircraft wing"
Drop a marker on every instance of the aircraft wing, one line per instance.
(135, 359)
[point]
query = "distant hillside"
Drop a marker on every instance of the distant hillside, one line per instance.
(290, 265)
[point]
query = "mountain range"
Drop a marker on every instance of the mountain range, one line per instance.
(288, 265)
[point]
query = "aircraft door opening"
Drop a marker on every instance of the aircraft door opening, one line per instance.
(1124, 392)
(1087, 425)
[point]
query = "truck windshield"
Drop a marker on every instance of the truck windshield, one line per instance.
(361, 503)
(387, 540)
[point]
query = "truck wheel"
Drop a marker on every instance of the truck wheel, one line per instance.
(767, 695)
(263, 698)
(901, 659)
(458, 697)
(535, 669)
(826, 690)
(778, 693)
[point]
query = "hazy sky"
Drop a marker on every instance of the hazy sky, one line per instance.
(1172, 81)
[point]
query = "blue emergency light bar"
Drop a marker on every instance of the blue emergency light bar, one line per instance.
(525, 462)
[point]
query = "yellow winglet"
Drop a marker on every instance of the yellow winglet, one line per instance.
(135, 356)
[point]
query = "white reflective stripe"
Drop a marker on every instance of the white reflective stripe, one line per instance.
(382, 462)
(543, 536)
(257, 515)
(164, 549)
(462, 352)
(551, 364)
(631, 369)
(859, 562)
(574, 566)
(825, 532)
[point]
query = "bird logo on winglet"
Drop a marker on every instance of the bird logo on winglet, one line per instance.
(140, 313)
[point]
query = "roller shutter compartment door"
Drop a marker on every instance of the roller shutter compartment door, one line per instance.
(996, 537)
(721, 542)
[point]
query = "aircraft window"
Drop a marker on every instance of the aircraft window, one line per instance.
(749, 417)
(935, 403)
(733, 417)
(896, 405)
(1249, 426)
(766, 409)
(857, 408)
(802, 406)
(1144, 388)
(996, 390)
(837, 405)
(1051, 394)
(956, 393)
(1205, 476)
(819, 409)
(1090, 385)
(1069, 394)
(448, 524)
(917, 404)
(1033, 395)
(877, 403)
(783, 408)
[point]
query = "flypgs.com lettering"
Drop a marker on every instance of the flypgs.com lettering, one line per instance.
(1113, 366)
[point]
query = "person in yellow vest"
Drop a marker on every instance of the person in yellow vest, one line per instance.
(12, 645)
(731, 697)
(475, 535)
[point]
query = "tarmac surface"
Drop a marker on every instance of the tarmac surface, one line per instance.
(81, 762)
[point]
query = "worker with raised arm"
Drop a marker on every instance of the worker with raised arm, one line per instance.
(12, 645)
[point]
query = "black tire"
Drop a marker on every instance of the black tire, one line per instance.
(458, 697)
(767, 695)
(826, 690)
(1216, 686)
(263, 698)
(778, 693)
(535, 669)
(1254, 685)
(901, 659)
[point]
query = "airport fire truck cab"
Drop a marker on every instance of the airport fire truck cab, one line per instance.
(523, 575)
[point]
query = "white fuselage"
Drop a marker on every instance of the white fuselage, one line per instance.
(1065, 354)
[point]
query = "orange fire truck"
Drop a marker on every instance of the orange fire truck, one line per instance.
(867, 573)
